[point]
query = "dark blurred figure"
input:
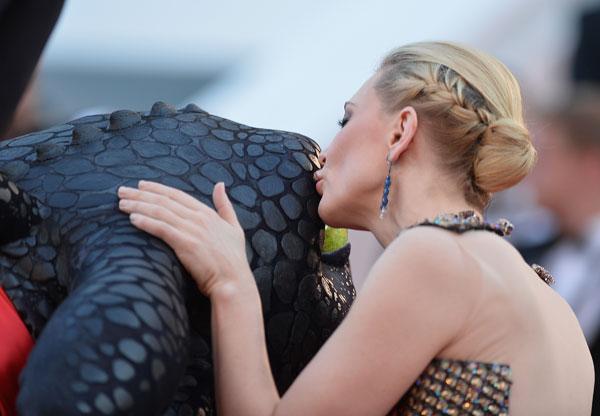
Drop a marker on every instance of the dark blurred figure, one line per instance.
(567, 181)
(586, 66)
(27, 117)
(25, 26)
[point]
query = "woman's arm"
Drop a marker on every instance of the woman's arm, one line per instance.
(415, 300)
(244, 383)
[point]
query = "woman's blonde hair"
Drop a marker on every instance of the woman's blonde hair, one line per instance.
(472, 103)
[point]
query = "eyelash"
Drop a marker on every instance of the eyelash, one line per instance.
(342, 122)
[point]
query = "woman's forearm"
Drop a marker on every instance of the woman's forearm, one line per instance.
(243, 378)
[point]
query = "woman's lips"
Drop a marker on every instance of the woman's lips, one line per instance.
(319, 186)
(318, 177)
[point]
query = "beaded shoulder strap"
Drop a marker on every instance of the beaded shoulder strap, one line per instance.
(467, 220)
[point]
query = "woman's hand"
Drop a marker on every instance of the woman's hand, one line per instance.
(210, 243)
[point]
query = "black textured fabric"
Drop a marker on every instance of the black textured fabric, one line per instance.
(119, 328)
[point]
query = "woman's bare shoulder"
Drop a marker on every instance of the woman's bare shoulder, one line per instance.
(429, 261)
(430, 250)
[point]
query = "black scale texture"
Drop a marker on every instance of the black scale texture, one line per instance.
(119, 327)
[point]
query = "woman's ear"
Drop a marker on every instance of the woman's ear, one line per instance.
(404, 130)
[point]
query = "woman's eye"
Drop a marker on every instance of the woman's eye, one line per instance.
(343, 122)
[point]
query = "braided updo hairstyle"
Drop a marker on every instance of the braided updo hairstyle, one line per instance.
(472, 104)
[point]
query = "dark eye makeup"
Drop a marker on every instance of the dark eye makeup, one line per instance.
(344, 120)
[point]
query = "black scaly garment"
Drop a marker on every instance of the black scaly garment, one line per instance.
(119, 327)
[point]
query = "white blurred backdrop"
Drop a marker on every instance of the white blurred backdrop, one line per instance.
(282, 64)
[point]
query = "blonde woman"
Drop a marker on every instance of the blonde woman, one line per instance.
(451, 320)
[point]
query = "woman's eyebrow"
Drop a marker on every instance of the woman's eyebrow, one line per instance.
(347, 103)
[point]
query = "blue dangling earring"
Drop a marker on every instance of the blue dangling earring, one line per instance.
(386, 189)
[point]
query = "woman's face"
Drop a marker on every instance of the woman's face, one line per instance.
(354, 165)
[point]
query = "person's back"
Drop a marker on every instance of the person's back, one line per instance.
(520, 321)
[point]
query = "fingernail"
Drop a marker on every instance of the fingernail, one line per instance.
(133, 217)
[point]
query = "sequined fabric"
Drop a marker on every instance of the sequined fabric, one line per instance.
(467, 221)
(543, 274)
(454, 387)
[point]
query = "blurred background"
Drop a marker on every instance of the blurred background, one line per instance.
(288, 65)
(291, 66)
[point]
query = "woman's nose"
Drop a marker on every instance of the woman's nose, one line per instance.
(322, 158)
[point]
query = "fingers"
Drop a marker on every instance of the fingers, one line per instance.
(180, 203)
(156, 210)
(223, 204)
(158, 228)
(175, 194)
(175, 207)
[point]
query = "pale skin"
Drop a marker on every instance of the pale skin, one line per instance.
(432, 293)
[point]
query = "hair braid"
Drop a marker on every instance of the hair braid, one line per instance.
(479, 136)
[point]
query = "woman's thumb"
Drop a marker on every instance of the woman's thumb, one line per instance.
(223, 204)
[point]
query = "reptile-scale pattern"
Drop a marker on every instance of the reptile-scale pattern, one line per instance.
(119, 328)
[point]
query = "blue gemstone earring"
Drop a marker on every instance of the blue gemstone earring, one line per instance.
(386, 189)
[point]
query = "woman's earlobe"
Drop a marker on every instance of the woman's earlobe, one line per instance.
(396, 151)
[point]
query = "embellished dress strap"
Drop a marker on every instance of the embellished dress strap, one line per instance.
(543, 274)
(467, 221)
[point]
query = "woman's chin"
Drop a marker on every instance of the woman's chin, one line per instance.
(326, 214)
(337, 217)
(331, 215)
